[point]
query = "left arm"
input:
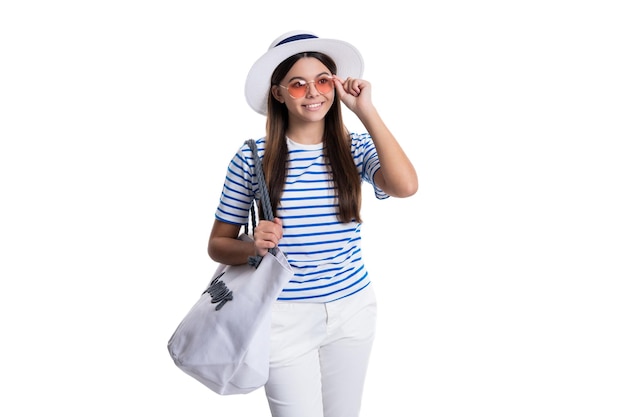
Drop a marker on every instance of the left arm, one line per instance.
(396, 176)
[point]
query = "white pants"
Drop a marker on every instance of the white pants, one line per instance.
(319, 356)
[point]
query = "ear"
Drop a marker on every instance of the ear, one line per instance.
(278, 94)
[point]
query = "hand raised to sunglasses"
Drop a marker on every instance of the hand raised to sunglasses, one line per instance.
(355, 93)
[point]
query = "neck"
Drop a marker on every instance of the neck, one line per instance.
(306, 134)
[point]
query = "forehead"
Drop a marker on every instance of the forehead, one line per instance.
(307, 68)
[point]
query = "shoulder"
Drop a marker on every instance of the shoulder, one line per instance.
(361, 143)
(359, 138)
(260, 145)
(244, 153)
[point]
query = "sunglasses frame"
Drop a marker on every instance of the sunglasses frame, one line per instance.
(306, 83)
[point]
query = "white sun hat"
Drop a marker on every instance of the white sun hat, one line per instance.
(347, 57)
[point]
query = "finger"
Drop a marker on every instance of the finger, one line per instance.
(266, 236)
(344, 84)
(264, 244)
(348, 86)
(339, 79)
(339, 86)
(278, 229)
(269, 231)
(355, 87)
(261, 246)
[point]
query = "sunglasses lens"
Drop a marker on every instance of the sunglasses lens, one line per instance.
(324, 85)
(298, 89)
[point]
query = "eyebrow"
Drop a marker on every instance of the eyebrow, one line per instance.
(302, 78)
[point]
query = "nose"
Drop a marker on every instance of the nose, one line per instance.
(311, 90)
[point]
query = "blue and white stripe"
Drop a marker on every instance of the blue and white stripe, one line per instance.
(324, 253)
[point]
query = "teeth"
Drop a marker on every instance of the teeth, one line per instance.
(310, 106)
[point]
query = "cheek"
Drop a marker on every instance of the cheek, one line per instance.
(330, 99)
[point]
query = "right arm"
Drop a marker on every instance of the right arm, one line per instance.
(225, 248)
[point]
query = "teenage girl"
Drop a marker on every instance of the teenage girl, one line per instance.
(323, 323)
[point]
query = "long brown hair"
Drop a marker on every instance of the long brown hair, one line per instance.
(345, 176)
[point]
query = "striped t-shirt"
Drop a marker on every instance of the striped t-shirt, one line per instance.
(324, 253)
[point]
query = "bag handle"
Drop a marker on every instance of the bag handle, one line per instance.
(265, 197)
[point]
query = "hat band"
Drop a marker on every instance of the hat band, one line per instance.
(295, 38)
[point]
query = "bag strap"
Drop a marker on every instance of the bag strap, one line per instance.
(265, 197)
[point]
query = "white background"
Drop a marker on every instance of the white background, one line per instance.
(500, 282)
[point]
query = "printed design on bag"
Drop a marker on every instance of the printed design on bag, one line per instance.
(219, 292)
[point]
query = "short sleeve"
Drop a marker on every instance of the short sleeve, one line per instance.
(240, 187)
(366, 160)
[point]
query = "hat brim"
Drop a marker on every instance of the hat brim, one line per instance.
(348, 59)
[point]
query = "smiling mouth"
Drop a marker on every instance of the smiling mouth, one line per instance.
(313, 106)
